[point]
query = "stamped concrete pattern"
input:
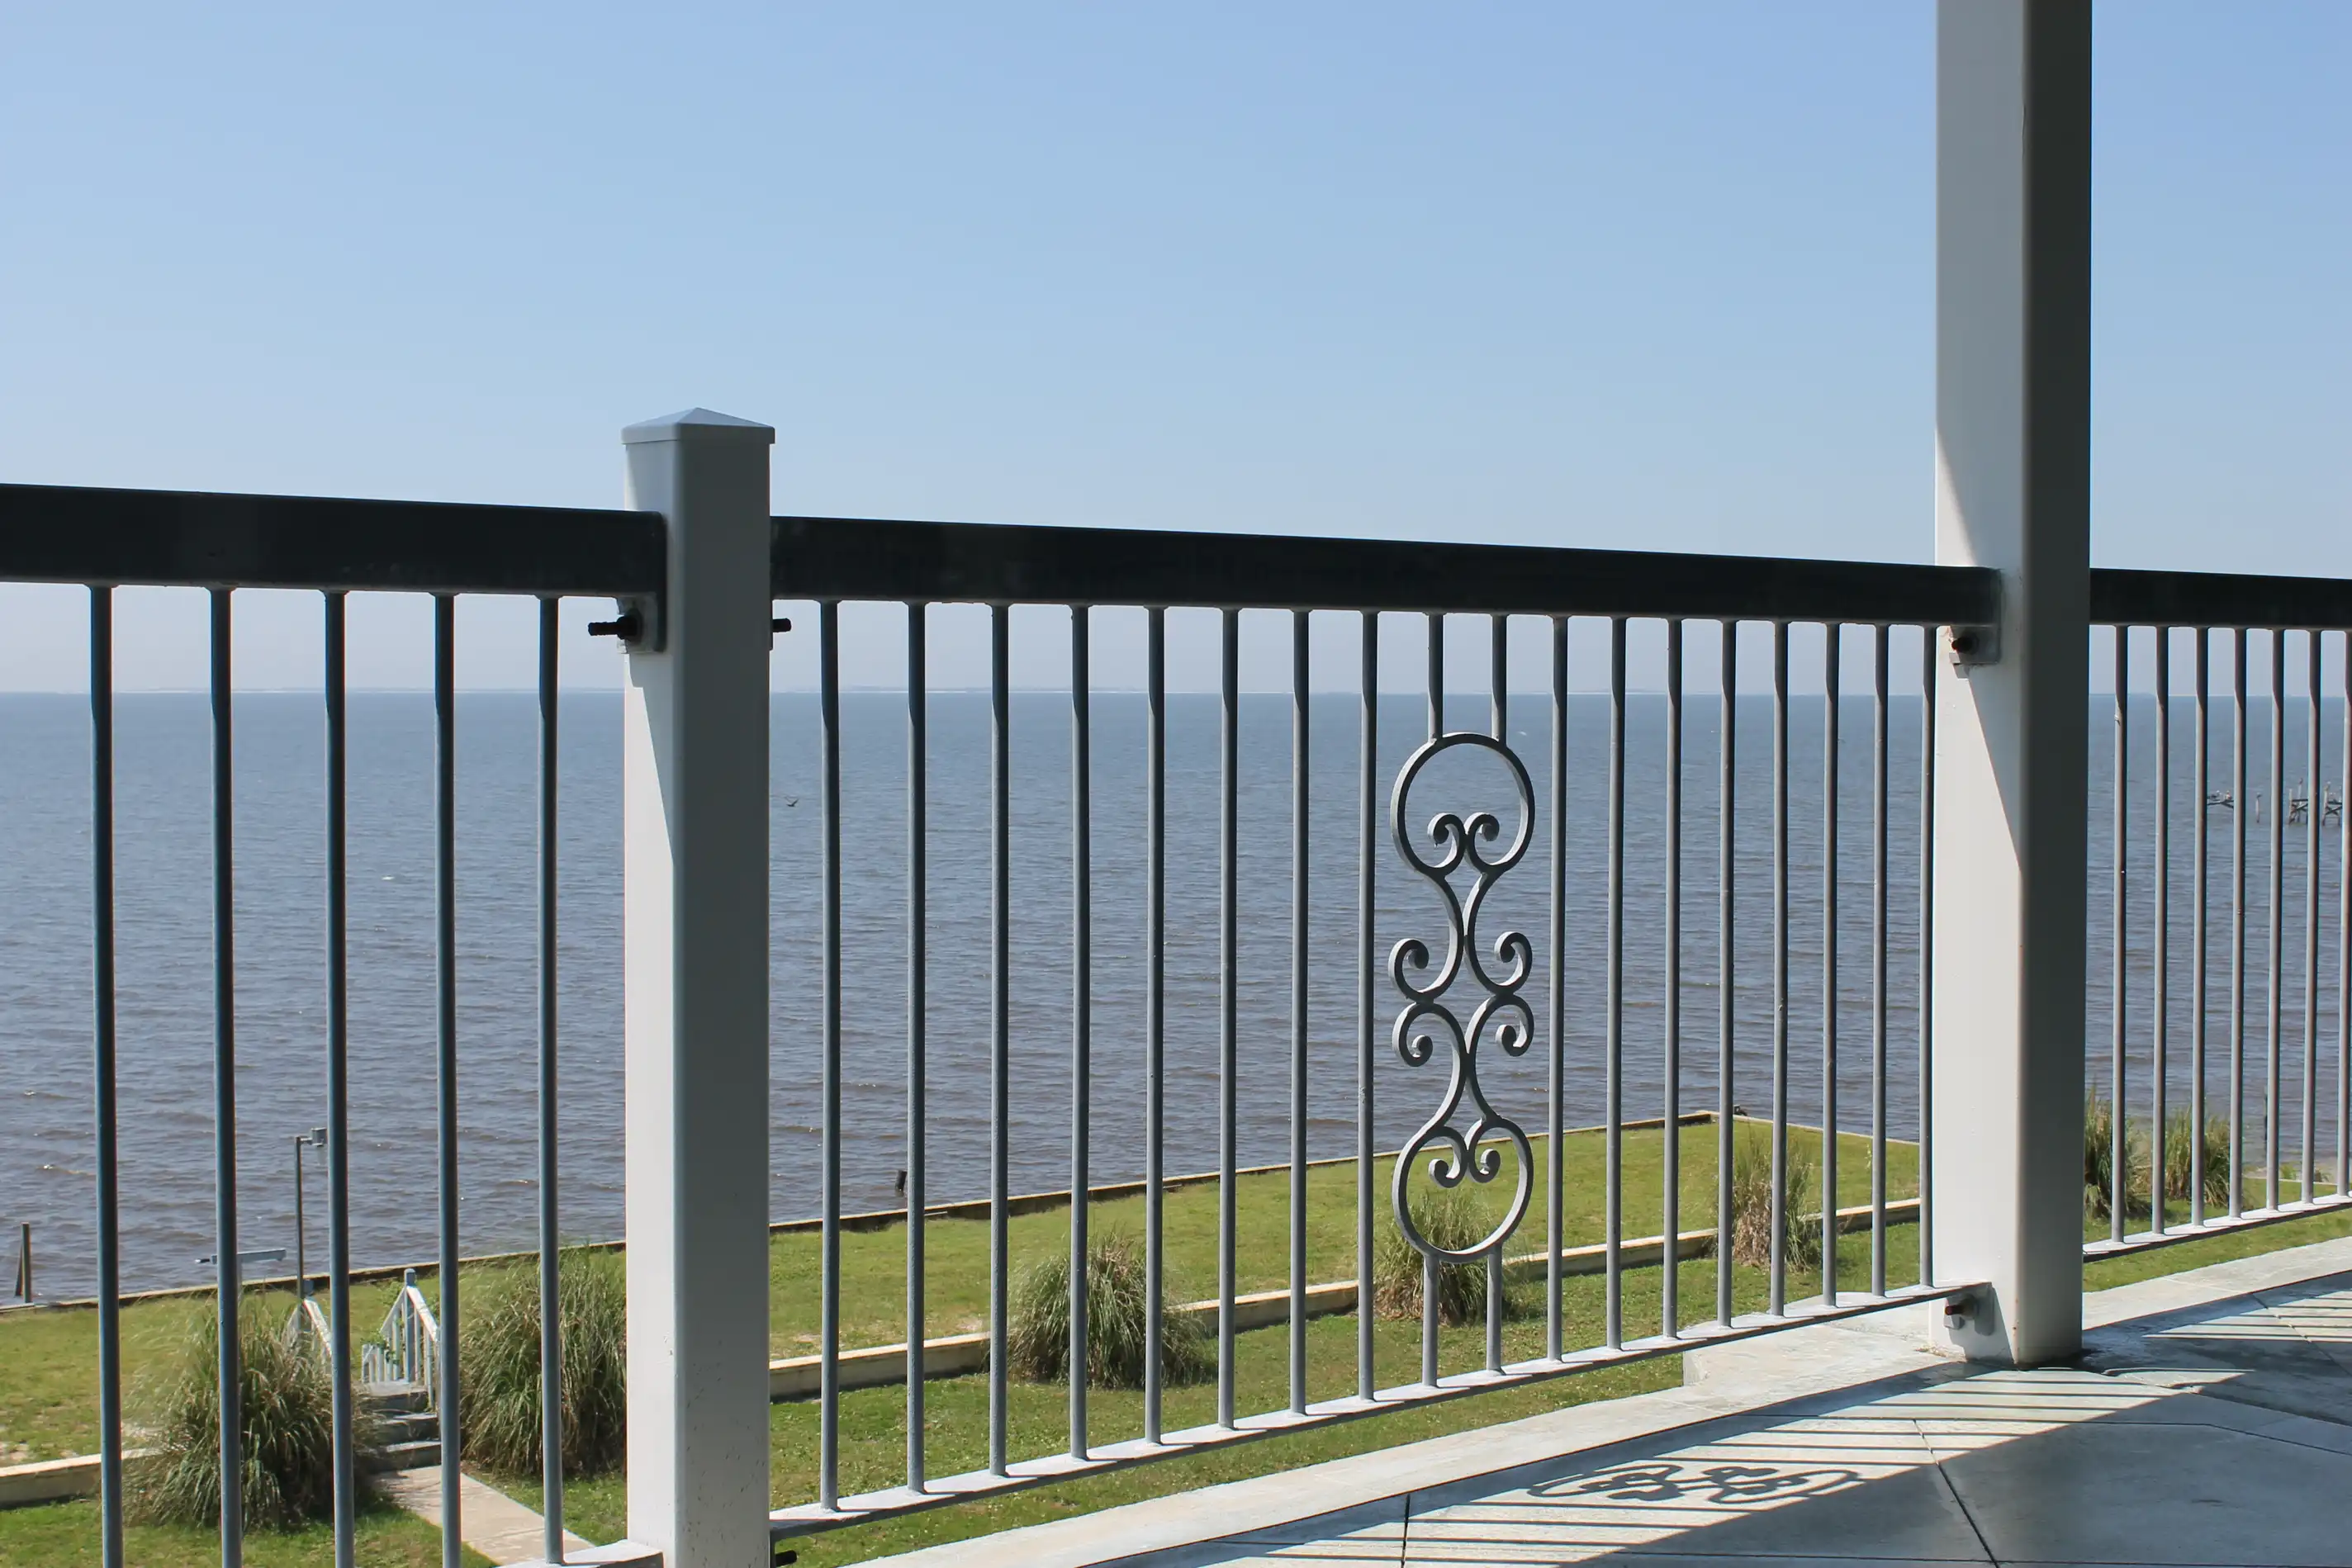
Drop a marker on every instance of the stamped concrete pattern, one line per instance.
(2208, 1426)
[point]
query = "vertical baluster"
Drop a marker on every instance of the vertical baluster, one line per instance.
(2117, 1198)
(1081, 1010)
(918, 763)
(1927, 672)
(1779, 1212)
(1368, 807)
(1832, 638)
(1000, 1027)
(1298, 919)
(445, 952)
(2343, 924)
(828, 702)
(1878, 650)
(1228, 987)
(1671, 1134)
(2274, 955)
(1498, 718)
(1436, 693)
(1727, 905)
(2308, 1187)
(2199, 891)
(2238, 814)
(1613, 1073)
(551, 1317)
(102, 951)
(1556, 1001)
(2159, 1066)
(225, 1287)
(1155, 938)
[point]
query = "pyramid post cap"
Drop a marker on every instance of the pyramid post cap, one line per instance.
(700, 425)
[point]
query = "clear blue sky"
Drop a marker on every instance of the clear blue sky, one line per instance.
(1652, 275)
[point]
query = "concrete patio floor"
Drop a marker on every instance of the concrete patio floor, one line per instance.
(2209, 1423)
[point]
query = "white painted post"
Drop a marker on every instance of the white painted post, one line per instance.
(695, 815)
(2012, 492)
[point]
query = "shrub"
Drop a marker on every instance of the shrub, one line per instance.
(2180, 1158)
(1751, 1205)
(1450, 1219)
(1037, 1339)
(2099, 1160)
(498, 1339)
(288, 1426)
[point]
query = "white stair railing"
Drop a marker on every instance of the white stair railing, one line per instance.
(407, 1348)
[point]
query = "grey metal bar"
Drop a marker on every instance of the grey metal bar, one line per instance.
(57, 533)
(1779, 1200)
(1878, 650)
(1613, 1071)
(844, 557)
(917, 1002)
(2200, 955)
(1833, 639)
(550, 1237)
(2344, 926)
(1498, 719)
(2274, 957)
(338, 1161)
(1155, 939)
(1671, 1183)
(1081, 1009)
(1727, 881)
(1927, 674)
(2238, 815)
(2119, 1101)
(1228, 988)
(1000, 1038)
(2160, 1065)
(1367, 1022)
(1435, 623)
(1556, 999)
(2308, 1187)
(2218, 599)
(102, 1075)
(226, 1288)
(1299, 986)
(444, 1077)
(828, 704)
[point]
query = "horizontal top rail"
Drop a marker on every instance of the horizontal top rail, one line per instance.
(2130, 597)
(844, 557)
(56, 533)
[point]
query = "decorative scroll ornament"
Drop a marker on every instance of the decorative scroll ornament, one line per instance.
(1461, 1139)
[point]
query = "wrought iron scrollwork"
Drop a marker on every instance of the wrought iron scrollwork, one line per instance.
(1493, 971)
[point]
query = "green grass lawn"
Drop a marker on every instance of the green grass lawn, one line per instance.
(48, 1360)
(65, 1535)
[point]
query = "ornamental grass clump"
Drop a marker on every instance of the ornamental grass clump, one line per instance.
(498, 1364)
(2180, 1160)
(2099, 1161)
(286, 1424)
(1752, 1205)
(1450, 1220)
(1037, 1338)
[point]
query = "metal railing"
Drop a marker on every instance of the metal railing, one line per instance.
(1435, 993)
(2257, 885)
(105, 539)
(406, 1350)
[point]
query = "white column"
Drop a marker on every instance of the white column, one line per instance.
(695, 815)
(2012, 492)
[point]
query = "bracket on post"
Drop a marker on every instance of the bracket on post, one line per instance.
(638, 623)
(1971, 647)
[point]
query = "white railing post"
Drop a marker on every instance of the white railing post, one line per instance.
(695, 816)
(2012, 492)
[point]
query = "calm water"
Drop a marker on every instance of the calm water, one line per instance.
(165, 963)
